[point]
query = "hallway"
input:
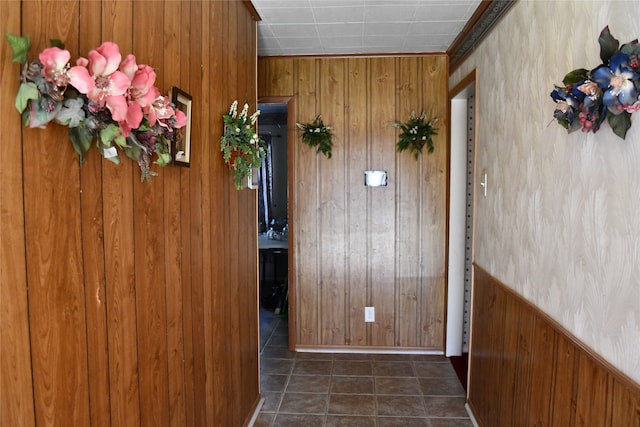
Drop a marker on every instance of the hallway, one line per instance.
(333, 389)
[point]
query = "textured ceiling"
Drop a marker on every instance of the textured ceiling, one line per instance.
(351, 27)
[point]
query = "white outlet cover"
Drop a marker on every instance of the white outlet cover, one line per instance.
(369, 314)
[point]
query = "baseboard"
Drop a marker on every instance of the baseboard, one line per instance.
(472, 416)
(256, 411)
(368, 350)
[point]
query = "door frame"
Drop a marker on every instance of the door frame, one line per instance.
(457, 211)
(291, 134)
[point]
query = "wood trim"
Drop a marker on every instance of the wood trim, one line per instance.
(479, 26)
(526, 369)
(466, 81)
(356, 55)
(252, 10)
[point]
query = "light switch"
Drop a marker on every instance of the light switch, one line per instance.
(483, 184)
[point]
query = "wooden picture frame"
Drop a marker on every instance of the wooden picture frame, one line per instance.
(181, 146)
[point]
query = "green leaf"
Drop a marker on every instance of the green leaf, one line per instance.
(620, 123)
(26, 92)
(575, 76)
(109, 134)
(133, 149)
(20, 46)
(39, 117)
(81, 138)
(163, 159)
(631, 48)
(56, 43)
(608, 45)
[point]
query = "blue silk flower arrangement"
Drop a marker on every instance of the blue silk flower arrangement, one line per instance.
(608, 91)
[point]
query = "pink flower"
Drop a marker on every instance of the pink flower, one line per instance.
(181, 119)
(101, 81)
(160, 110)
(56, 64)
(143, 78)
(140, 94)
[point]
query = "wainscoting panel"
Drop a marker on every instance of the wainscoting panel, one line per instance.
(526, 370)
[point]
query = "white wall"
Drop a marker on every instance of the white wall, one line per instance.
(561, 220)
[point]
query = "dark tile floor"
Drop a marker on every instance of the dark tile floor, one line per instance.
(332, 389)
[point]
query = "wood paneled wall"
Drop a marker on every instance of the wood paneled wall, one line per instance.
(355, 246)
(126, 303)
(526, 370)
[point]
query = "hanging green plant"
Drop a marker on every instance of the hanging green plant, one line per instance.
(316, 134)
(416, 133)
(242, 148)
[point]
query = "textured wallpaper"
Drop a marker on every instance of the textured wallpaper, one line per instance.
(561, 220)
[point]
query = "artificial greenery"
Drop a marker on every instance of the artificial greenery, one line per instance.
(242, 148)
(104, 99)
(316, 134)
(610, 91)
(416, 132)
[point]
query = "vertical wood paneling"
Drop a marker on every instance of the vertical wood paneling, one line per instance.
(626, 405)
(54, 251)
(357, 161)
(488, 315)
(221, 303)
(193, 184)
(247, 313)
(382, 217)
(234, 91)
(278, 77)
(117, 22)
(173, 235)
(563, 406)
(306, 205)
(331, 211)
(541, 374)
(93, 246)
(16, 406)
(356, 246)
(408, 210)
(591, 400)
(522, 381)
(433, 205)
(189, 338)
(149, 256)
(120, 324)
(219, 311)
(546, 377)
(507, 384)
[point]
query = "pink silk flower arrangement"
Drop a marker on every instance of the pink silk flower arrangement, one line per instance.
(102, 98)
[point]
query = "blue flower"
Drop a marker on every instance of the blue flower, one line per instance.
(618, 82)
(567, 106)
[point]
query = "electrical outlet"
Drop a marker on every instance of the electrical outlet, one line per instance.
(369, 314)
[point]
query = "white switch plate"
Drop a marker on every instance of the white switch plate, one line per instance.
(369, 314)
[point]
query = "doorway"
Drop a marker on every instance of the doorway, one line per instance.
(461, 216)
(274, 219)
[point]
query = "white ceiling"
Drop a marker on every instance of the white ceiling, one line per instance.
(327, 27)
